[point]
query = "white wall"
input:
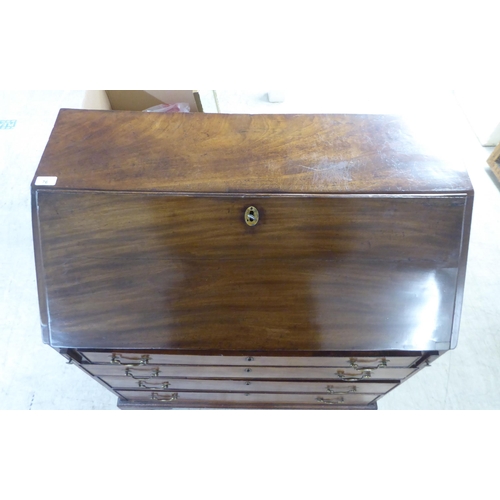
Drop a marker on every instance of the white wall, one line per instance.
(481, 106)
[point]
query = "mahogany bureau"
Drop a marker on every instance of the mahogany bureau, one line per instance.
(249, 261)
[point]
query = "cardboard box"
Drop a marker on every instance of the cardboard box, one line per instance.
(139, 100)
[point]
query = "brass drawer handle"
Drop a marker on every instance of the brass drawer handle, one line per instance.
(352, 378)
(382, 364)
(164, 385)
(330, 401)
(331, 390)
(155, 397)
(144, 360)
(154, 373)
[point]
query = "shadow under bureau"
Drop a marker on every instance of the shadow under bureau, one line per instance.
(249, 261)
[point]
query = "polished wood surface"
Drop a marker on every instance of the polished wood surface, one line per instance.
(248, 361)
(258, 373)
(183, 384)
(248, 398)
(162, 227)
(131, 404)
(191, 274)
(142, 249)
(203, 153)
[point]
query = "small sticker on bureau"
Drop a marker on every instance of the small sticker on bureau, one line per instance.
(45, 181)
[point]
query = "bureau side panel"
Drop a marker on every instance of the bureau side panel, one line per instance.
(464, 252)
(142, 271)
(40, 274)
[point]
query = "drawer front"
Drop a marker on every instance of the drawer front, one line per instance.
(245, 399)
(176, 384)
(225, 372)
(186, 272)
(124, 358)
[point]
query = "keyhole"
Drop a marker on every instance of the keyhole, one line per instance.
(251, 216)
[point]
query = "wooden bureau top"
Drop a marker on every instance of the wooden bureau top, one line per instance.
(266, 154)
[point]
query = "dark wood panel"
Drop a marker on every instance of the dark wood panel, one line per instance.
(141, 247)
(185, 398)
(312, 305)
(462, 267)
(212, 405)
(40, 275)
(141, 272)
(259, 372)
(118, 227)
(128, 358)
(179, 384)
(120, 150)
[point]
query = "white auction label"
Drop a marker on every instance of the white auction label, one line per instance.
(45, 181)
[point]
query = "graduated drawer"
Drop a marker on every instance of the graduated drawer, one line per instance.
(245, 399)
(173, 384)
(257, 372)
(125, 358)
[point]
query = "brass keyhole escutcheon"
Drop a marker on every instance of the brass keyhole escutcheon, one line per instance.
(251, 216)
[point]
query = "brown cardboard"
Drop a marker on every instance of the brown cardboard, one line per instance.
(139, 100)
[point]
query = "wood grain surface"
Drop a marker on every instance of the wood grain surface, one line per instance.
(339, 361)
(141, 244)
(213, 153)
(136, 271)
(257, 373)
(131, 404)
(234, 385)
(226, 399)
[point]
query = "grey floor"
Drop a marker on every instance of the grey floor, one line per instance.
(33, 376)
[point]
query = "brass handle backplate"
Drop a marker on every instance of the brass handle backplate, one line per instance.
(155, 396)
(347, 377)
(164, 385)
(332, 390)
(251, 216)
(154, 373)
(143, 360)
(382, 364)
(330, 401)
